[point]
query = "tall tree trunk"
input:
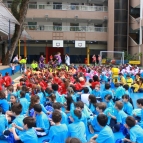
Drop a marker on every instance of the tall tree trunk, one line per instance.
(20, 16)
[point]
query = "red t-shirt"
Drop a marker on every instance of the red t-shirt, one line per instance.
(7, 80)
(93, 84)
(1, 83)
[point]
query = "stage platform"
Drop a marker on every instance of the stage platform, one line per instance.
(4, 69)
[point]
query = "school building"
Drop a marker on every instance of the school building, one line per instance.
(82, 28)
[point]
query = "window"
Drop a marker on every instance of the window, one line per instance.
(74, 27)
(32, 25)
(57, 5)
(57, 26)
(32, 5)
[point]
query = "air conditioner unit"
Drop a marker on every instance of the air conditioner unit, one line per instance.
(76, 16)
(105, 17)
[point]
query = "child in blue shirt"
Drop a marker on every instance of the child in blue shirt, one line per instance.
(108, 101)
(42, 122)
(140, 105)
(93, 124)
(96, 92)
(58, 132)
(92, 103)
(77, 129)
(3, 124)
(119, 117)
(105, 135)
(127, 106)
(119, 92)
(41, 95)
(24, 102)
(3, 102)
(58, 106)
(106, 91)
(28, 133)
(135, 131)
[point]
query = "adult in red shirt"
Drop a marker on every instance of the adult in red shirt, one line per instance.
(1, 82)
(7, 79)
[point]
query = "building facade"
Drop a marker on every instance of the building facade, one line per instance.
(104, 25)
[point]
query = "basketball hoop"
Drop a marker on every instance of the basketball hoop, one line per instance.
(80, 44)
(57, 45)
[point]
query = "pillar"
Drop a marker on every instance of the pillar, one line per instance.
(25, 49)
(88, 55)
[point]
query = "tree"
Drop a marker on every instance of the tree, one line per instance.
(19, 10)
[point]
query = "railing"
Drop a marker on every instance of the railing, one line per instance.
(65, 7)
(66, 28)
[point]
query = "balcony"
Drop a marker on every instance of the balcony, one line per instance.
(66, 28)
(86, 33)
(65, 7)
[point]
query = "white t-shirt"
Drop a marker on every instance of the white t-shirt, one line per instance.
(15, 59)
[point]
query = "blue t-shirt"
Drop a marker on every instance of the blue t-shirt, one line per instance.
(3, 124)
(58, 133)
(106, 92)
(128, 108)
(96, 93)
(95, 124)
(42, 122)
(119, 92)
(29, 136)
(105, 136)
(64, 118)
(25, 105)
(19, 122)
(27, 96)
(136, 134)
(77, 130)
(41, 96)
(121, 117)
(4, 105)
(141, 122)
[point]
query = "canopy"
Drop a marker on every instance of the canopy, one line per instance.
(8, 21)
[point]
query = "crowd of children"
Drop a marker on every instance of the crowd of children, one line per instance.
(66, 104)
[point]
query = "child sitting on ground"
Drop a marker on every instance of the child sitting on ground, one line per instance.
(106, 134)
(28, 133)
(42, 123)
(58, 132)
(77, 128)
(135, 131)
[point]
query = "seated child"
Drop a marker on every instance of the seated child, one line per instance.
(93, 124)
(77, 129)
(3, 124)
(92, 103)
(135, 86)
(58, 132)
(3, 102)
(119, 117)
(58, 106)
(96, 92)
(24, 102)
(108, 101)
(127, 106)
(42, 122)
(106, 91)
(135, 131)
(105, 135)
(28, 134)
(140, 105)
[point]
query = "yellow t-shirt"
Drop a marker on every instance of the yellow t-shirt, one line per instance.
(123, 80)
(136, 86)
(129, 81)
